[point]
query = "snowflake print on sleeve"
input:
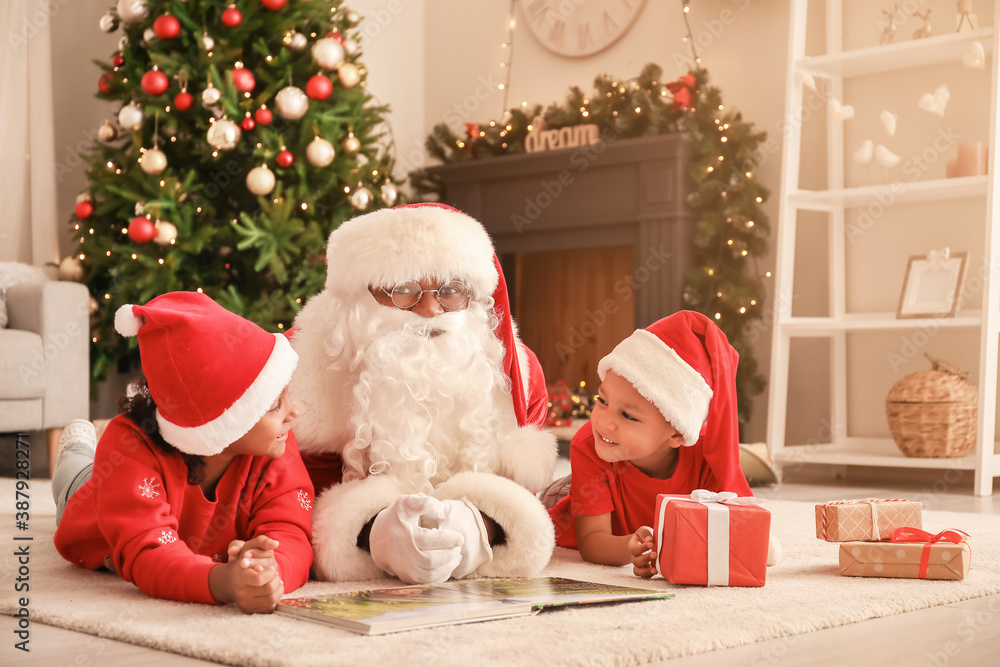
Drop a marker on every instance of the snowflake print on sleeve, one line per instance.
(167, 537)
(304, 500)
(148, 488)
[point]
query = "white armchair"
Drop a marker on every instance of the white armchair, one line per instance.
(45, 358)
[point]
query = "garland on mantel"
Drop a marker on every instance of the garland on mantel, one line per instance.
(732, 228)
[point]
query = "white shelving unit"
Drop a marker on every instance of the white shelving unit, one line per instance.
(833, 68)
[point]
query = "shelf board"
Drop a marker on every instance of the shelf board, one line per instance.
(824, 326)
(899, 56)
(887, 194)
(880, 452)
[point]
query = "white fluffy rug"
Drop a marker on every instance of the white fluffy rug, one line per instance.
(803, 593)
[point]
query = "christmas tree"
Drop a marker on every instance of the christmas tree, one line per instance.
(244, 135)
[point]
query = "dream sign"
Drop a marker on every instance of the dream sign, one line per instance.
(564, 137)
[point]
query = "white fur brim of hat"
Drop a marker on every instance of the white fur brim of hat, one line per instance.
(394, 245)
(664, 379)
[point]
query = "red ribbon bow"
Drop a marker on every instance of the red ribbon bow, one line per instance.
(683, 91)
(910, 534)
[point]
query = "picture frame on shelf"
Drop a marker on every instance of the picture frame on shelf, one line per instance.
(932, 284)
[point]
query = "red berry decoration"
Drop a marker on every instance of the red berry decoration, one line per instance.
(319, 87)
(84, 209)
(232, 17)
(141, 230)
(106, 83)
(248, 124)
(167, 27)
(263, 116)
(118, 60)
(183, 101)
(155, 82)
(273, 4)
(284, 158)
(243, 79)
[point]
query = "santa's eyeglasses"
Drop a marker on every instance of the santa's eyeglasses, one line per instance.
(453, 295)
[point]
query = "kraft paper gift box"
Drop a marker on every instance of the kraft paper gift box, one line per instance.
(867, 519)
(912, 553)
(711, 539)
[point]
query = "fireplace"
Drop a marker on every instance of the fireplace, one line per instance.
(594, 241)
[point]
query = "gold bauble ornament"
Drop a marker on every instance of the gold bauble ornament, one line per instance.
(291, 102)
(361, 198)
(70, 269)
(107, 131)
(153, 161)
(166, 233)
(349, 75)
(224, 134)
(260, 180)
(351, 144)
(320, 152)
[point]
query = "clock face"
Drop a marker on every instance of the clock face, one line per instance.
(580, 27)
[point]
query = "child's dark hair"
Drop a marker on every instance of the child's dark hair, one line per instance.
(138, 405)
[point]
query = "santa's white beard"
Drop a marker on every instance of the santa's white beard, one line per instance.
(427, 402)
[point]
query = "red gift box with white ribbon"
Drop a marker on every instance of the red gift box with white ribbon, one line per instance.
(711, 539)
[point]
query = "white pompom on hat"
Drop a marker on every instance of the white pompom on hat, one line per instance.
(212, 373)
(393, 245)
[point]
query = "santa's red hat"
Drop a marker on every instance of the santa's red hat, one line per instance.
(212, 373)
(684, 365)
(428, 240)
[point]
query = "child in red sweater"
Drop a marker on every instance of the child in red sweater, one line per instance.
(196, 492)
(665, 421)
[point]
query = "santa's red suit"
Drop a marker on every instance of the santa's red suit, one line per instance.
(448, 406)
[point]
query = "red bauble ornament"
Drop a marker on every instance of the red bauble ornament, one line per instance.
(243, 79)
(183, 101)
(335, 36)
(263, 116)
(106, 83)
(167, 27)
(118, 60)
(284, 158)
(273, 4)
(84, 209)
(319, 87)
(155, 82)
(248, 124)
(142, 230)
(232, 17)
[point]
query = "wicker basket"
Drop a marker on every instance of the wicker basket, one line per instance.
(932, 414)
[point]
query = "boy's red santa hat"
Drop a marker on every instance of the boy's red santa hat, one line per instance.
(432, 241)
(684, 365)
(212, 373)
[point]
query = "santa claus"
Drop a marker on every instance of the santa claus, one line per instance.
(412, 381)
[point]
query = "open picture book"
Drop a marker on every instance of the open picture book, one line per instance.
(383, 610)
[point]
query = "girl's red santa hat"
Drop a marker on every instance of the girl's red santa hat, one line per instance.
(212, 373)
(684, 365)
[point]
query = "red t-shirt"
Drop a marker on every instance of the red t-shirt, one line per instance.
(622, 490)
(163, 535)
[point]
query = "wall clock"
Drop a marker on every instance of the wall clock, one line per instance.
(578, 28)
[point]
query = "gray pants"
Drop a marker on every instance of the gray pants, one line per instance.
(73, 468)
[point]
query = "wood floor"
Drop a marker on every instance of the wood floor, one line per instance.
(964, 634)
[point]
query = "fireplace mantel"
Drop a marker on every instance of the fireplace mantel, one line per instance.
(625, 192)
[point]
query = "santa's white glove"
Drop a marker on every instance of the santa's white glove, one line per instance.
(462, 517)
(406, 541)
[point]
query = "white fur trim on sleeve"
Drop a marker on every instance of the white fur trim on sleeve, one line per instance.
(529, 531)
(127, 323)
(664, 379)
(528, 456)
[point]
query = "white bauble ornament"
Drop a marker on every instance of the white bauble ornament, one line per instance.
(123, 43)
(130, 117)
(352, 17)
(328, 53)
(140, 208)
(108, 22)
(260, 180)
(351, 46)
(361, 199)
(224, 134)
(320, 152)
(211, 95)
(132, 11)
(351, 144)
(70, 269)
(149, 36)
(166, 233)
(291, 102)
(349, 75)
(390, 193)
(207, 41)
(107, 131)
(295, 41)
(153, 161)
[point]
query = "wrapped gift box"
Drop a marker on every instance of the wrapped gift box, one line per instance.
(700, 540)
(946, 555)
(868, 519)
